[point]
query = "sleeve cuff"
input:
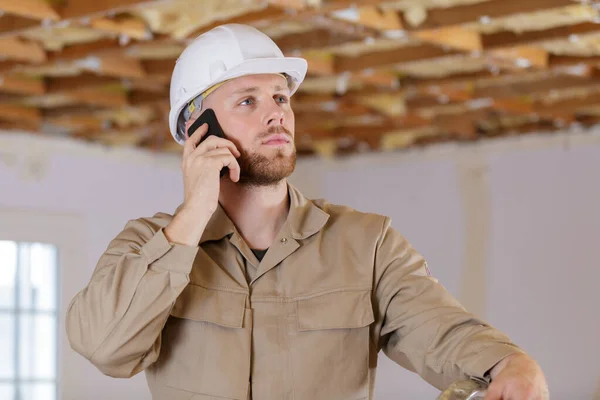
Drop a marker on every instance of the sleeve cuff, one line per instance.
(489, 357)
(170, 256)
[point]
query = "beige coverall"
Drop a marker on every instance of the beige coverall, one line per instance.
(306, 323)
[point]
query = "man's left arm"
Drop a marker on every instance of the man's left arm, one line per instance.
(422, 327)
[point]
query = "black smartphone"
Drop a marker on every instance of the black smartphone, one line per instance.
(209, 117)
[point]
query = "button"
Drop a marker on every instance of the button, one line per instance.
(284, 240)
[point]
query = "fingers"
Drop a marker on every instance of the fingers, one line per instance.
(223, 158)
(216, 159)
(215, 142)
(494, 392)
(192, 142)
(234, 170)
(193, 146)
(516, 389)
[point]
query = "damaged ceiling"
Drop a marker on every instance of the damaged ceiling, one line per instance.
(383, 75)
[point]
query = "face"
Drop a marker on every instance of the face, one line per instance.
(255, 114)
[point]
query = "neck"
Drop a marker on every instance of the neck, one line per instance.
(258, 212)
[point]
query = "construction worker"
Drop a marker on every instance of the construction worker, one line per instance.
(252, 291)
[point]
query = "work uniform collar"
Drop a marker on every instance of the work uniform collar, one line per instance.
(304, 219)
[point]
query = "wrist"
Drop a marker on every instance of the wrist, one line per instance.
(496, 369)
(186, 228)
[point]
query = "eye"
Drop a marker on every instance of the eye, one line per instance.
(249, 101)
(281, 98)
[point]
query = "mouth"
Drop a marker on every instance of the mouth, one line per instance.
(277, 140)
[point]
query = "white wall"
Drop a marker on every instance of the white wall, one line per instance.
(95, 191)
(509, 226)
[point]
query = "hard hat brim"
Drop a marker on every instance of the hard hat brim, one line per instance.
(295, 67)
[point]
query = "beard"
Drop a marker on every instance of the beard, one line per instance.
(257, 169)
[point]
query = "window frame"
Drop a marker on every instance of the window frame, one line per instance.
(17, 311)
(66, 232)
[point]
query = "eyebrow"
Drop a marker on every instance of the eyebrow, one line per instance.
(254, 89)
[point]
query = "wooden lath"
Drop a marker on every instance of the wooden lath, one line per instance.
(10, 25)
(32, 9)
(510, 39)
(81, 8)
(11, 112)
(386, 58)
(14, 83)
(463, 14)
(378, 78)
(124, 25)
(20, 50)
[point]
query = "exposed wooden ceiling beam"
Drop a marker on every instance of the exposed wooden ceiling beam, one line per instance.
(457, 15)
(60, 84)
(269, 12)
(520, 57)
(10, 25)
(379, 19)
(290, 4)
(8, 66)
(129, 26)
(162, 67)
(400, 55)
(561, 61)
(98, 97)
(128, 135)
(362, 131)
(454, 79)
(453, 36)
(511, 104)
(410, 121)
(349, 28)
(34, 9)
(380, 78)
(20, 125)
(426, 101)
(12, 112)
(20, 50)
(316, 38)
(567, 107)
(141, 97)
(518, 89)
(78, 51)
(511, 39)
(543, 125)
(115, 65)
(463, 125)
(75, 109)
(80, 8)
(319, 63)
(373, 17)
(21, 84)
(79, 123)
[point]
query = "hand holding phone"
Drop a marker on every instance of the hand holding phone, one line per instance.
(209, 117)
(201, 160)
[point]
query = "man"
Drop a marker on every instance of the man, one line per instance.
(252, 291)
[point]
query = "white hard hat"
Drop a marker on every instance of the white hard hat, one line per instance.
(226, 52)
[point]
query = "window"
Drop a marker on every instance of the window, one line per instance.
(28, 321)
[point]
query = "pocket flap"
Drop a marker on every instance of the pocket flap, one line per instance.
(344, 309)
(219, 307)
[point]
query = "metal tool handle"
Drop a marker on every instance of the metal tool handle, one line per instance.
(465, 390)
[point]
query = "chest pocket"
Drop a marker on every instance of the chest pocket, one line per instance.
(206, 343)
(330, 346)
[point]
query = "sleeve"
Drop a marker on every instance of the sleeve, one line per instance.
(116, 320)
(421, 327)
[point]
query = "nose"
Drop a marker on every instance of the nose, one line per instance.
(275, 115)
